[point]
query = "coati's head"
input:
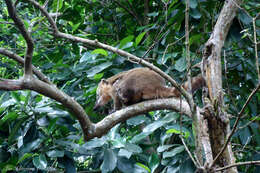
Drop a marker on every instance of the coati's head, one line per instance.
(104, 91)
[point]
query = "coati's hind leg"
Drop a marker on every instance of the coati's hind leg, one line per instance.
(129, 96)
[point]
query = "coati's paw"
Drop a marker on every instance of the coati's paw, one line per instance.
(111, 111)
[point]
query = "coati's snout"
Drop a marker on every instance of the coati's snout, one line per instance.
(103, 96)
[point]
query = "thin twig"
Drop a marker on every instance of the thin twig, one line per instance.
(247, 124)
(238, 164)
(187, 45)
(188, 151)
(256, 53)
(235, 125)
(171, 44)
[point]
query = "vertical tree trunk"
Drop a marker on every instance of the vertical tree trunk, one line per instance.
(216, 118)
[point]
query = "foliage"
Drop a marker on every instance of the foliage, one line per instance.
(37, 133)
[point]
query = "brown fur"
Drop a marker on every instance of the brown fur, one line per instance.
(136, 85)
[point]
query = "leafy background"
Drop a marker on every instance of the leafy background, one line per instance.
(39, 134)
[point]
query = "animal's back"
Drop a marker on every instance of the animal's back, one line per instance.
(140, 84)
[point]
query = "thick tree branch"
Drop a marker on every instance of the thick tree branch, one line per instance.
(20, 25)
(122, 115)
(20, 60)
(53, 92)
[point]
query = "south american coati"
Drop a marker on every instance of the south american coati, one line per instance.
(136, 85)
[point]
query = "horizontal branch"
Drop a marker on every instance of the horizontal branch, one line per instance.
(20, 60)
(89, 129)
(122, 115)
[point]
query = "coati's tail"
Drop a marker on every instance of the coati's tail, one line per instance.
(196, 83)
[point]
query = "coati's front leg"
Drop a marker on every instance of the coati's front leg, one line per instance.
(116, 100)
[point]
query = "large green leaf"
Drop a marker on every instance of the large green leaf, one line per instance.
(109, 162)
(40, 162)
(173, 152)
(154, 162)
(97, 69)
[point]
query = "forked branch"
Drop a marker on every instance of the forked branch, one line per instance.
(20, 25)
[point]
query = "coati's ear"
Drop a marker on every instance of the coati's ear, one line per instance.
(104, 81)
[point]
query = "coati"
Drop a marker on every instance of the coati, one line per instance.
(136, 85)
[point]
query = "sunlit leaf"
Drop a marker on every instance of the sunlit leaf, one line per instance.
(100, 51)
(139, 38)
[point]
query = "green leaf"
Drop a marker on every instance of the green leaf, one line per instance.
(124, 153)
(153, 14)
(52, 125)
(143, 166)
(195, 38)
(31, 146)
(180, 64)
(149, 129)
(195, 14)
(173, 152)
(245, 136)
(100, 51)
(126, 40)
(55, 153)
(176, 130)
(15, 129)
(133, 148)
(8, 167)
(159, 123)
(139, 137)
(139, 38)
(26, 156)
(9, 117)
(94, 143)
(40, 162)
(97, 69)
(16, 96)
(75, 27)
(154, 162)
(137, 120)
(127, 45)
(87, 56)
(109, 162)
(193, 3)
(163, 148)
(4, 155)
(98, 76)
(57, 5)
